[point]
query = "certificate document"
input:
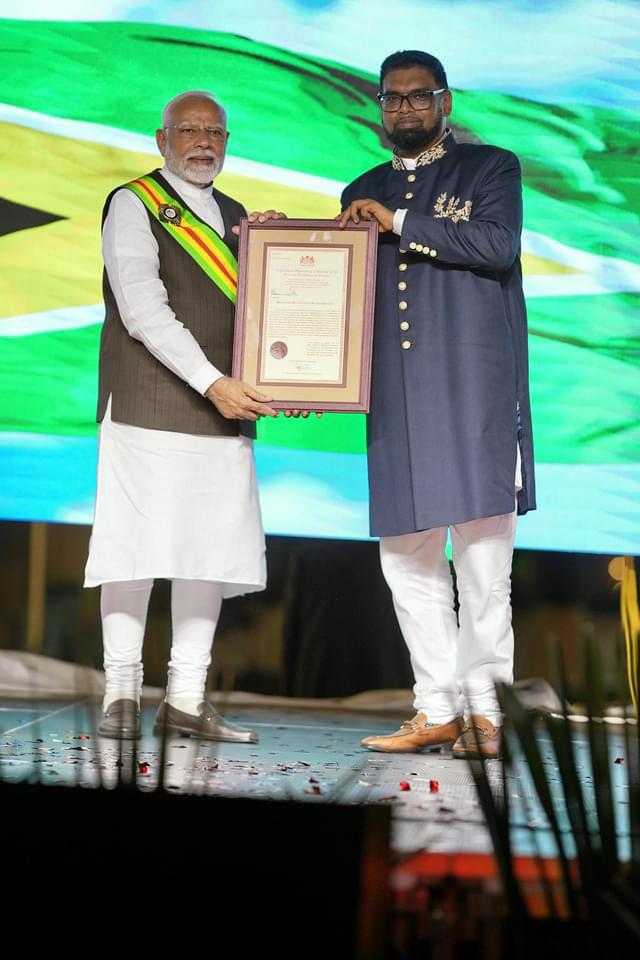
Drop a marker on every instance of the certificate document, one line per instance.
(305, 318)
(304, 315)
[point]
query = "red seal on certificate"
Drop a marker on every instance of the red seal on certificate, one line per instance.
(278, 350)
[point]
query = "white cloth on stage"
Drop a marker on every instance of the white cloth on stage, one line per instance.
(456, 662)
(170, 505)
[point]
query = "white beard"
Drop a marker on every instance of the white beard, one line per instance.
(194, 173)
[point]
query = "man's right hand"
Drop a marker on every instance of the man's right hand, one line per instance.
(367, 210)
(236, 400)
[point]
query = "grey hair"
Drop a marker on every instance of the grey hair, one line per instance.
(201, 94)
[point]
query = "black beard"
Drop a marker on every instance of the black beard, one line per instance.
(413, 138)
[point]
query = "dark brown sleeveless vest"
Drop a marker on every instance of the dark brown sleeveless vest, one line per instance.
(145, 393)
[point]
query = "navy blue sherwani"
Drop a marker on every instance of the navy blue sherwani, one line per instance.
(450, 394)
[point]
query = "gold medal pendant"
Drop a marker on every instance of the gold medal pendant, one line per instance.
(170, 213)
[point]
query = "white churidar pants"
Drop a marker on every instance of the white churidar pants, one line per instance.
(195, 609)
(455, 663)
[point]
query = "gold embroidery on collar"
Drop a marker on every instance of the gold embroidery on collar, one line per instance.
(426, 157)
(452, 210)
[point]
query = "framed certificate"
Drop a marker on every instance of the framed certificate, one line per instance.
(304, 316)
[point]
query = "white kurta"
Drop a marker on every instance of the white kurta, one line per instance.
(170, 505)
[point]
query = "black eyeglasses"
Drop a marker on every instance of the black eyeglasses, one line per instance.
(418, 99)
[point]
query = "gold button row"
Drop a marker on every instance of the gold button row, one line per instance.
(406, 344)
(418, 247)
(411, 178)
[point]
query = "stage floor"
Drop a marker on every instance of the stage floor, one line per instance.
(304, 755)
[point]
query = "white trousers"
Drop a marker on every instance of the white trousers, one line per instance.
(455, 661)
(195, 609)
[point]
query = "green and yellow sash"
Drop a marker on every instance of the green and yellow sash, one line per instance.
(202, 243)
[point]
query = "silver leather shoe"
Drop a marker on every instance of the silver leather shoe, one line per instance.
(207, 725)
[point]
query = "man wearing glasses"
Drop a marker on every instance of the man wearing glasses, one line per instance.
(177, 495)
(449, 433)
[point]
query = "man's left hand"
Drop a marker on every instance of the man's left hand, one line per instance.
(262, 217)
(367, 210)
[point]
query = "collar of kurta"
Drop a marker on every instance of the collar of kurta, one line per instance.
(428, 156)
(205, 247)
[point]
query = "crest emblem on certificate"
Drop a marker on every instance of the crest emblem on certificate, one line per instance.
(170, 213)
(450, 207)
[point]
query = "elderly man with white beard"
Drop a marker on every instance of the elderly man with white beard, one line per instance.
(176, 496)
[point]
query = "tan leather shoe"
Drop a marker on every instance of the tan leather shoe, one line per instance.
(415, 735)
(207, 725)
(480, 739)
